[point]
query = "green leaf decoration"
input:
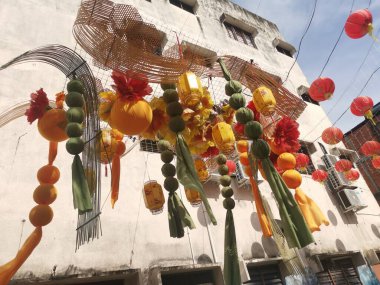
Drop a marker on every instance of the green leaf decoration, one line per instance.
(226, 73)
(187, 175)
(231, 269)
(81, 193)
(179, 217)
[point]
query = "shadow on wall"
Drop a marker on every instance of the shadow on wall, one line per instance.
(255, 222)
(204, 259)
(257, 250)
(340, 246)
(332, 218)
(242, 193)
(270, 247)
(211, 191)
(201, 216)
(375, 230)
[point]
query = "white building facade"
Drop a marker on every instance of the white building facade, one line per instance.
(135, 247)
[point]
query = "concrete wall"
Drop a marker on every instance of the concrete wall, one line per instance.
(132, 236)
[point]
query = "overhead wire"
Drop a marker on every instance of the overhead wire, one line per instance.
(300, 43)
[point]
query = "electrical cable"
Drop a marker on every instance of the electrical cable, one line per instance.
(300, 44)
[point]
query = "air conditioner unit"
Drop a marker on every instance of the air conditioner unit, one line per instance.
(329, 160)
(350, 200)
(337, 181)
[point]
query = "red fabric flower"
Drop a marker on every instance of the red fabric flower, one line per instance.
(130, 85)
(211, 151)
(239, 128)
(286, 135)
(256, 113)
(37, 107)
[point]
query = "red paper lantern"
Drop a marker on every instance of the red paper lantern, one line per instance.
(302, 161)
(231, 166)
(362, 106)
(319, 175)
(322, 89)
(352, 175)
(332, 135)
(358, 24)
(376, 162)
(343, 165)
(370, 148)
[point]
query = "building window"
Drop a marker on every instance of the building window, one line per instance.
(338, 271)
(306, 97)
(240, 35)
(149, 146)
(283, 50)
(264, 274)
(182, 5)
(205, 277)
(305, 149)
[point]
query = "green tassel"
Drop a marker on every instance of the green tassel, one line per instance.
(179, 217)
(231, 269)
(81, 193)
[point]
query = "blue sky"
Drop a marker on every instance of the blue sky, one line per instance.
(292, 16)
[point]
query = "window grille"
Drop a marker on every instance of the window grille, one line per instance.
(205, 277)
(284, 51)
(149, 146)
(306, 97)
(240, 35)
(182, 5)
(264, 275)
(338, 271)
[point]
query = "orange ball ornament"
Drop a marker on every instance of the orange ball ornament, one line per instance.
(292, 178)
(242, 146)
(52, 125)
(48, 174)
(130, 117)
(45, 194)
(286, 161)
(244, 158)
(41, 215)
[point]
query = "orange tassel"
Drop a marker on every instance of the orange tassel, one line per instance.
(9, 269)
(263, 219)
(115, 172)
(53, 149)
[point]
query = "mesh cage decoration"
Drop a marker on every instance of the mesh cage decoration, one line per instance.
(116, 37)
(72, 64)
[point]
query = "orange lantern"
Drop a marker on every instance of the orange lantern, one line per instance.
(302, 161)
(352, 175)
(319, 175)
(376, 162)
(362, 106)
(322, 89)
(107, 146)
(370, 148)
(358, 24)
(153, 197)
(193, 197)
(292, 178)
(201, 168)
(286, 161)
(190, 89)
(343, 165)
(332, 135)
(223, 137)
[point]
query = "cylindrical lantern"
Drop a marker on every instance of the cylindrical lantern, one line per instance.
(153, 196)
(319, 175)
(370, 148)
(343, 165)
(193, 197)
(376, 162)
(322, 89)
(264, 100)
(302, 161)
(201, 168)
(352, 175)
(358, 24)
(362, 106)
(223, 137)
(107, 146)
(332, 135)
(189, 89)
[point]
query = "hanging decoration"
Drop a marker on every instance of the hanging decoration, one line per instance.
(224, 137)
(264, 101)
(319, 175)
(322, 89)
(153, 195)
(292, 178)
(178, 215)
(75, 145)
(302, 161)
(376, 162)
(286, 161)
(193, 197)
(352, 175)
(190, 89)
(358, 24)
(370, 148)
(201, 168)
(343, 165)
(231, 167)
(285, 137)
(115, 173)
(332, 135)
(362, 106)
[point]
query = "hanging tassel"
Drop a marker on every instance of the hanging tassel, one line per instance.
(263, 219)
(369, 116)
(53, 149)
(179, 217)
(81, 193)
(115, 172)
(370, 32)
(9, 269)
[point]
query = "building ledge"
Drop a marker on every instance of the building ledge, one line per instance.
(239, 23)
(285, 45)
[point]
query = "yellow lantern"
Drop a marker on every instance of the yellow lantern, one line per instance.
(153, 196)
(193, 197)
(264, 101)
(107, 145)
(201, 168)
(223, 137)
(190, 89)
